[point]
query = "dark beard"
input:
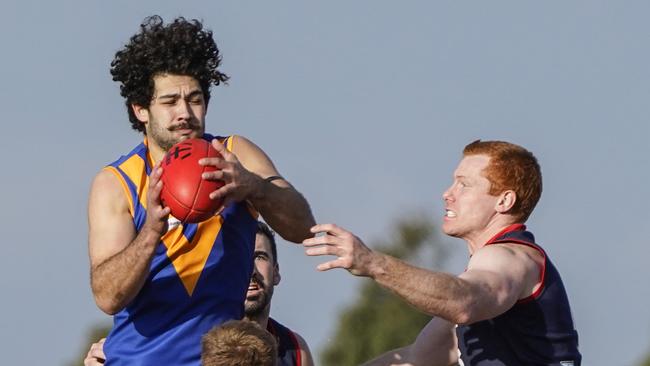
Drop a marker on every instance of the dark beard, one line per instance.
(164, 143)
(256, 307)
(163, 139)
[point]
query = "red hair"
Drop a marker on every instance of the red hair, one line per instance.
(511, 167)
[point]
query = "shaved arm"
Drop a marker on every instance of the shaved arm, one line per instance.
(119, 259)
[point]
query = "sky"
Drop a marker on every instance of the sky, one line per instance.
(365, 107)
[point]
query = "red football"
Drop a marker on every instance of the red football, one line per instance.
(184, 191)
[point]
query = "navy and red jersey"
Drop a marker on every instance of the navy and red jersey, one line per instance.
(288, 346)
(537, 330)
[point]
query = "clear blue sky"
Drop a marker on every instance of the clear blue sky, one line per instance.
(365, 107)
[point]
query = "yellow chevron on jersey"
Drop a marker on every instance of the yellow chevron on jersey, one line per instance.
(188, 256)
(197, 278)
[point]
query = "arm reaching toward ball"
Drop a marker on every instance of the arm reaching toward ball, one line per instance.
(244, 172)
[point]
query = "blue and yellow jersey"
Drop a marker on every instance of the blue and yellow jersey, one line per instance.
(198, 277)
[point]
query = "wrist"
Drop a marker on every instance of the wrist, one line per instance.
(149, 236)
(259, 188)
(377, 265)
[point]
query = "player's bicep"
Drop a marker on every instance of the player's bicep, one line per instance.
(499, 277)
(110, 227)
(253, 158)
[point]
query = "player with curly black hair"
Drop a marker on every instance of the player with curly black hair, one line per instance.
(181, 48)
(167, 282)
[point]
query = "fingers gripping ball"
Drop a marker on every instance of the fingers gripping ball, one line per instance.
(184, 191)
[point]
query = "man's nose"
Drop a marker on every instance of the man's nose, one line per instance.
(183, 111)
(256, 272)
(446, 195)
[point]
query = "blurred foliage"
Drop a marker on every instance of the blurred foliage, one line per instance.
(646, 362)
(95, 333)
(379, 320)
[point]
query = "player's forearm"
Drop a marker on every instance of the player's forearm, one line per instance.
(117, 280)
(285, 210)
(435, 293)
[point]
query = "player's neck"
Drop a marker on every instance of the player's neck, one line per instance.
(478, 240)
(262, 318)
(156, 152)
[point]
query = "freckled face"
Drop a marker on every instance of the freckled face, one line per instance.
(468, 205)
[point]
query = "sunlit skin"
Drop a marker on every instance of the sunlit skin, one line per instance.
(470, 211)
(176, 113)
(496, 276)
(120, 254)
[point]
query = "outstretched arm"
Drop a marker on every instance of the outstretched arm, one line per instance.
(245, 171)
(119, 259)
(496, 276)
(436, 345)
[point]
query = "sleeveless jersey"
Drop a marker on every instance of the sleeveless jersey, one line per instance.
(537, 330)
(197, 279)
(288, 346)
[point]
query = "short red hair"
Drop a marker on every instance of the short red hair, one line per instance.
(511, 167)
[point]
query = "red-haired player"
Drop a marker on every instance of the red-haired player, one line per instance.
(510, 305)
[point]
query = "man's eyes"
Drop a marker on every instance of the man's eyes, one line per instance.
(174, 101)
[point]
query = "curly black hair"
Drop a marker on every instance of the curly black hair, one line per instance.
(182, 47)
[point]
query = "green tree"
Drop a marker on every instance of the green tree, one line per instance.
(646, 361)
(95, 333)
(379, 320)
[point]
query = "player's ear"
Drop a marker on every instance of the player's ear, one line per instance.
(506, 201)
(276, 275)
(141, 113)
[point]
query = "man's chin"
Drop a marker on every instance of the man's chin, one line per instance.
(192, 135)
(448, 229)
(253, 310)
